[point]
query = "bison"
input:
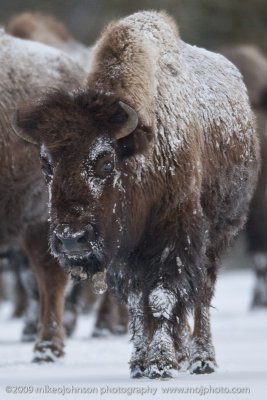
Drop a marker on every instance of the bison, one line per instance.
(27, 69)
(45, 28)
(150, 167)
(252, 63)
(112, 316)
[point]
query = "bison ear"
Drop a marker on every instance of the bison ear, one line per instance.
(136, 143)
(25, 124)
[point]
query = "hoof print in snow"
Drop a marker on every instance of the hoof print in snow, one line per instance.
(203, 367)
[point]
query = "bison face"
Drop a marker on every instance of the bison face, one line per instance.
(85, 201)
(87, 143)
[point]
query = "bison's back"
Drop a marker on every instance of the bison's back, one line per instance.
(27, 70)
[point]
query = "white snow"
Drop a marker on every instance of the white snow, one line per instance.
(161, 302)
(99, 367)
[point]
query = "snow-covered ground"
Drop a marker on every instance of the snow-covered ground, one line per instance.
(98, 367)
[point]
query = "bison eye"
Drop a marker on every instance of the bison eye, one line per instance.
(108, 167)
(104, 166)
(46, 169)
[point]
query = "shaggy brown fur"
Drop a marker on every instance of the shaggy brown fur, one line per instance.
(38, 27)
(155, 208)
(253, 66)
(27, 70)
(48, 30)
(45, 28)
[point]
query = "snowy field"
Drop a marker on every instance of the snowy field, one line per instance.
(98, 367)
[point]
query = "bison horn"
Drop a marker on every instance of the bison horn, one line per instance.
(131, 123)
(21, 134)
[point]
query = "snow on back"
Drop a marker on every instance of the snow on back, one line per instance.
(191, 90)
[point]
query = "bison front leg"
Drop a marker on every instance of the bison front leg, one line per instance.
(202, 350)
(138, 360)
(161, 323)
(51, 281)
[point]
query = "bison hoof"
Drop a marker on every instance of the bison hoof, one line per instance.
(203, 367)
(137, 373)
(47, 351)
(153, 372)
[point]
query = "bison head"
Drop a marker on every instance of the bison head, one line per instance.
(88, 143)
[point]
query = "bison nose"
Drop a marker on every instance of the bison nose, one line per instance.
(74, 242)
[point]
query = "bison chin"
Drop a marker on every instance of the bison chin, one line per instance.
(86, 268)
(81, 268)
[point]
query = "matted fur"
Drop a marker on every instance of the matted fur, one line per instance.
(181, 185)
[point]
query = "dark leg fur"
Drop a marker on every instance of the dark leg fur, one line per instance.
(51, 282)
(202, 357)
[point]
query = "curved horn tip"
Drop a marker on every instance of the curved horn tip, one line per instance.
(131, 122)
(21, 134)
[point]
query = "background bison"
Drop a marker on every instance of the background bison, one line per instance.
(150, 169)
(27, 69)
(252, 63)
(112, 317)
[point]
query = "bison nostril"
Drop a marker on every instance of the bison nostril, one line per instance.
(82, 239)
(70, 241)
